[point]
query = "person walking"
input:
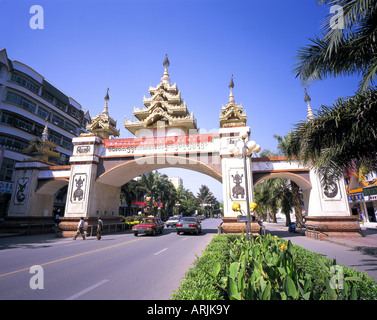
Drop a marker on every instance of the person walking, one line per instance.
(99, 228)
(80, 229)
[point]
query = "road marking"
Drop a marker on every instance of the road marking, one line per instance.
(71, 257)
(184, 239)
(160, 251)
(86, 290)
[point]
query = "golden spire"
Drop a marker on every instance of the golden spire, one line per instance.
(106, 108)
(231, 86)
(307, 99)
(165, 77)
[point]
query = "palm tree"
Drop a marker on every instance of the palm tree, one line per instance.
(205, 197)
(348, 46)
(155, 185)
(187, 201)
(128, 192)
(275, 194)
(343, 135)
(283, 143)
(265, 194)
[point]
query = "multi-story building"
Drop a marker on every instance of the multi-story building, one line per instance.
(27, 101)
(176, 182)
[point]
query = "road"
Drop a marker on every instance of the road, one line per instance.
(119, 266)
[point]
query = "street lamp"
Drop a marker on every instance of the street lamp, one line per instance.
(177, 205)
(245, 149)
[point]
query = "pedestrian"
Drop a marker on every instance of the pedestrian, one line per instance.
(57, 217)
(80, 229)
(99, 228)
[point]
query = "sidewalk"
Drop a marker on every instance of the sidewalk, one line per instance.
(367, 243)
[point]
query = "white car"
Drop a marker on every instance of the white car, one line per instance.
(172, 222)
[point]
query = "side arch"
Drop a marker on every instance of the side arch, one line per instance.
(123, 173)
(301, 181)
(50, 187)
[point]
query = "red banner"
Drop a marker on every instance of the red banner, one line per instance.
(140, 203)
(166, 140)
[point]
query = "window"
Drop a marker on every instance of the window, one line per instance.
(12, 143)
(61, 106)
(20, 101)
(42, 112)
(69, 127)
(67, 143)
(38, 130)
(25, 82)
(48, 97)
(55, 137)
(7, 169)
(23, 124)
(57, 120)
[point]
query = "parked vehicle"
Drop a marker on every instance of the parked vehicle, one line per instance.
(172, 222)
(189, 224)
(149, 225)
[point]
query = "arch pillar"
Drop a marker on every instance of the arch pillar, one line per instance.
(26, 206)
(328, 210)
(235, 182)
(85, 196)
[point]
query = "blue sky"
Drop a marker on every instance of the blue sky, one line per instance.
(89, 45)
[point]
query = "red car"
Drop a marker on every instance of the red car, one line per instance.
(150, 225)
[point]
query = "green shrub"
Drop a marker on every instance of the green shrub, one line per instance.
(270, 268)
(197, 285)
(312, 263)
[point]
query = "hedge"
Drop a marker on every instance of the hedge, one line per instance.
(269, 268)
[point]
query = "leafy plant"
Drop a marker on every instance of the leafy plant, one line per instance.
(262, 270)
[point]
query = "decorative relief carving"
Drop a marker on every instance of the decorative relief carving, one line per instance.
(78, 192)
(237, 186)
(83, 149)
(21, 191)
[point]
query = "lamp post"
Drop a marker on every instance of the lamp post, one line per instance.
(177, 205)
(245, 149)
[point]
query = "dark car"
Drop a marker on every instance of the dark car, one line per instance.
(149, 225)
(189, 224)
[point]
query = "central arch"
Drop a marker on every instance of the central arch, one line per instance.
(124, 172)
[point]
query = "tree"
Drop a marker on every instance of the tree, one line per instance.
(128, 192)
(265, 194)
(283, 143)
(206, 199)
(157, 186)
(348, 46)
(274, 194)
(343, 135)
(187, 201)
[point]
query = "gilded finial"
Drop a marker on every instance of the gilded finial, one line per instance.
(107, 98)
(106, 108)
(166, 62)
(165, 77)
(307, 97)
(231, 84)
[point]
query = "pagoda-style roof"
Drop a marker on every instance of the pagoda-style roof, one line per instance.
(232, 115)
(103, 125)
(42, 148)
(164, 108)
